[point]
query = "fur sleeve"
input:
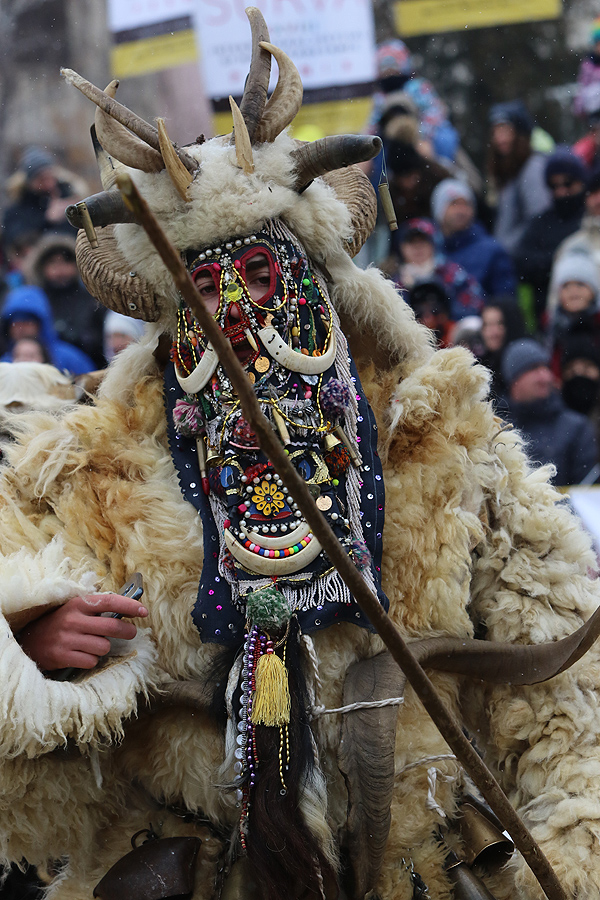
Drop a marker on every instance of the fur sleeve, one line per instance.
(532, 582)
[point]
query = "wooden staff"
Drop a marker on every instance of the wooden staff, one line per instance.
(445, 721)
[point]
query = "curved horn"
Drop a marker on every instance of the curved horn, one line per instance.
(124, 116)
(191, 694)
(241, 138)
(120, 143)
(105, 208)
(180, 176)
(107, 166)
(257, 84)
(507, 663)
(331, 153)
(284, 103)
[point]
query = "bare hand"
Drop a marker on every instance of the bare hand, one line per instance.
(76, 634)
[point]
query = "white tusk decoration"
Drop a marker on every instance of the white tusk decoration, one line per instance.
(196, 380)
(281, 542)
(277, 348)
(266, 565)
(251, 340)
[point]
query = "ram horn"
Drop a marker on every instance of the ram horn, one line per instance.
(120, 143)
(197, 695)
(257, 83)
(107, 166)
(178, 173)
(147, 133)
(241, 139)
(105, 208)
(329, 153)
(501, 663)
(284, 103)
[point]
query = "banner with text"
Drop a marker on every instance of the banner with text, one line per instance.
(151, 35)
(331, 42)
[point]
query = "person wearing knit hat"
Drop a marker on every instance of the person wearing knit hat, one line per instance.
(467, 243)
(41, 193)
(119, 332)
(534, 253)
(35, 161)
(584, 241)
(516, 171)
(421, 260)
(580, 375)
(554, 433)
(565, 172)
(396, 72)
(576, 281)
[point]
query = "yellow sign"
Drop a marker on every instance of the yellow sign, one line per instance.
(316, 120)
(415, 17)
(152, 54)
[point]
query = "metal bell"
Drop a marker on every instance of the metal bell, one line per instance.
(467, 886)
(484, 842)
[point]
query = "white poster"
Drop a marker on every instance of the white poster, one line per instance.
(124, 15)
(330, 41)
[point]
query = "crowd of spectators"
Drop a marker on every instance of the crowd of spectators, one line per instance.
(46, 314)
(506, 263)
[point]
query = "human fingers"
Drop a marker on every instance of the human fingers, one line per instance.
(91, 644)
(108, 627)
(96, 604)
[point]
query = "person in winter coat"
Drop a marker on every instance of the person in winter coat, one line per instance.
(396, 72)
(580, 376)
(421, 260)
(554, 433)
(26, 313)
(566, 178)
(41, 192)
(77, 317)
(517, 172)
(501, 323)
(587, 239)
(576, 285)
(467, 243)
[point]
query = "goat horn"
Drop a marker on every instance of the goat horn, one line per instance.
(105, 208)
(121, 144)
(107, 166)
(191, 694)
(507, 663)
(331, 153)
(284, 103)
(241, 138)
(147, 133)
(257, 84)
(180, 176)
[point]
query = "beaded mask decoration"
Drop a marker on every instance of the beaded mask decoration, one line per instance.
(297, 357)
(264, 575)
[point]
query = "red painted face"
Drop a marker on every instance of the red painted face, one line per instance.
(254, 269)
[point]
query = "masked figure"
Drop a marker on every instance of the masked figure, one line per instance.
(252, 739)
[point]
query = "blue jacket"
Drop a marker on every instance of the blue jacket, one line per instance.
(30, 302)
(483, 258)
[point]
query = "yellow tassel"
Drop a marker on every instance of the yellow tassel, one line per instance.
(271, 703)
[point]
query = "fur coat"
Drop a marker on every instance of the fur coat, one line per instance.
(475, 539)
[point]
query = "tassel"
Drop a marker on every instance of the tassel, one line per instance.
(271, 703)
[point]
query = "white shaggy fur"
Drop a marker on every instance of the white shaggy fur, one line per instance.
(474, 536)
